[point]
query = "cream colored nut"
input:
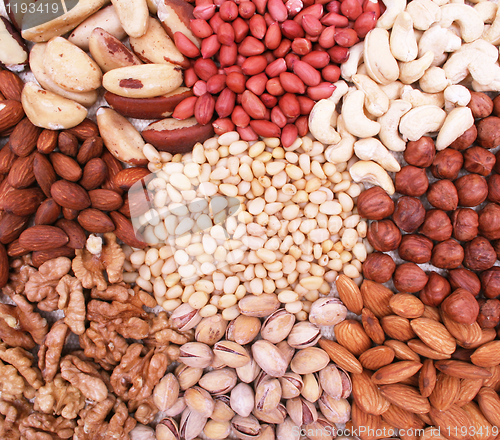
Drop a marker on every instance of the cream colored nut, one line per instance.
(309, 360)
(327, 311)
(482, 69)
(417, 98)
(344, 150)
(320, 122)
(341, 88)
(196, 355)
(468, 19)
(434, 80)
(354, 118)
(120, 137)
(487, 11)
(421, 121)
(392, 90)
(48, 110)
(268, 394)
(414, 70)
(269, 358)
(12, 54)
(373, 149)
(379, 61)
(242, 399)
(423, 13)
(70, 67)
(456, 95)
(231, 354)
(106, 19)
(491, 87)
(350, 67)
(200, 401)
(219, 381)
(335, 410)
(402, 40)
(440, 41)
(370, 172)
(491, 34)
(376, 101)
(457, 122)
(166, 392)
(488, 49)
(389, 123)
(142, 432)
(133, 15)
(277, 326)
(394, 8)
(304, 334)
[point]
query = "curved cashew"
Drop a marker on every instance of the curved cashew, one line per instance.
(380, 64)
(414, 70)
(456, 96)
(349, 68)
(373, 149)
(434, 80)
(402, 40)
(355, 120)
(492, 34)
(393, 90)
(487, 11)
(394, 8)
(420, 121)
(438, 40)
(376, 101)
(472, 61)
(468, 19)
(370, 172)
(423, 13)
(344, 150)
(389, 124)
(320, 122)
(341, 88)
(458, 121)
(417, 98)
(488, 49)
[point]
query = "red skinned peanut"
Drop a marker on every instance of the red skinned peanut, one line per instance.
(258, 26)
(288, 135)
(308, 74)
(291, 29)
(306, 104)
(257, 83)
(225, 103)
(277, 9)
(210, 46)
(223, 125)
(316, 10)
(265, 128)
(254, 65)
(292, 83)
(333, 6)
(204, 12)
(199, 88)
(283, 48)
(240, 117)
(251, 46)
(276, 67)
(204, 109)
(228, 55)
(365, 23)
(216, 21)
(334, 19)
(247, 133)
(301, 46)
(278, 117)
(241, 29)
(339, 54)
(294, 7)
(190, 77)
(352, 9)
(302, 125)
(216, 84)
(246, 9)
(372, 6)
(205, 68)
(327, 38)
(201, 28)
(236, 82)
(185, 108)
(312, 26)
(186, 46)
(273, 36)
(269, 101)
(317, 58)
(228, 11)
(346, 37)
(253, 105)
(225, 34)
(321, 91)
(274, 87)
(289, 105)
(331, 73)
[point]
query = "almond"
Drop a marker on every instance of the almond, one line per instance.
(401, 419)
(47, 141)
(431, 313)
(406, 305)
(94, 174)
(75, 233)
(468, 391)
(14, 249)
(125, 231)
(376, 297)
(11, 226)
(4, 266)
(67, 143)
(466, 335)
(24, 138)
(11, 113)
(349, 294)
(90, 149)
(364, 422)
(494, 380)
(488, 355)
(434, 334)
(397, 327)
(105, 199)
(66, 167)
(487, 335)
(489, 402)
(95, 221)
(70, 195)
(114, 167)
(47, 213)
(366, 394)
(11, 85)
(424, 350)
(69, 214)
(139, 202)
(23, 201)
(372, 326)
(396, 372)
(461, 369)
(40, 257)
(406, 397)
(7, 159)
(84, 130)
(483, 430)
(445, 392)
(427, 378)
(402, 351)
(21, 175)
(44, 173)
(454, 423)
(42, 237)
(377, 357)
(126, 178)
(341, 356)
(351, 335)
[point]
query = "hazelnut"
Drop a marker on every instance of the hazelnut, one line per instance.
(489, 313)
(378, 267)
(465, 279)
(420, 153)
(447, 254)
(411, 181)
(409, 213)
(375, 204)
(465, 140)
(478, 160)
(494, 188)
(479, 254)
(461, 306)
(415, 248)
(443, 195)
(435, 291)
(496, 106)
(472, 190)
(496, 247)
(489, 221)
(480, 104)
(488, 132)
(384, 235)
(490, 282)
(465, 224)
(447, 164)
(409, 278)
(437, 225)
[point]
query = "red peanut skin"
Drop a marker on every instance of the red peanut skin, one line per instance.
(223, 125)
(185, 109)
(265, 128)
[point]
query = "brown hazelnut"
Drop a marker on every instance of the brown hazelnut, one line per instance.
(489, 221)
(480, 104)
(409, 278)
(420, 153)
(478, 160)
(411, 181)
(447, 164)
(465, 140)
(409, 213)
(443, 195)
(472, 190)
(437, 225)
(465, 224)
(488, 132)
(490, 282)
(489, 313)
(375, 204)
(494, 188)
(461, 306)
(378, 267)
(496, 247)
(479, 254)
(496, 106)
(447, 254)
(435, 291)
(465, 279)
(415, 248)
(384, 235)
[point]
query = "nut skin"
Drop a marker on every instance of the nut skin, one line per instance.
(478, 160)
(447, 164)
(494, 188)
(480, 104)
(462, 278)
(490, 282)
(411, 181)
(479, 254)
(461, 306)
(409, 278)
(435, 291)
(384, 235)
(378, 267)
(420, 153)
(465, 223)
(489, 313)
(496, 247)
(443, 195)
(409, 213)
(415, 248)
(465, 140)
(489, 221)
(488, 132)
(375, 204)
(447, 254)
(472, 190)
(437, 225)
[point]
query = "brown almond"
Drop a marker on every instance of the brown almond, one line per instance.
(494, 380)
(349, 293)
(366, 394)
(69, 214)
(67, 143)
(461, 369)
(11, 85)
(431, 313)
(376, 297)
(401, 419)
(402, 351)
(95, 221)
(70, 195)
(488, 355)
(454, 423)
(90, 149)
(66, 167)
(125, 208)
(84, 130)
(94, 174)
(75, 233)
(397, 327)
(11, 114)
(125, 231)
(395, 372)
(23, 201)
(43, 237)
(361, 420)
(11, 226)
(114, 167)
(406, 397)
(44, 173)
(468, 391)
(489, 402)
(424, 350)
(21, 175)
(427, 378)
(351, 335)
(24, 138)
(47, 141)
(372, 326)
(377, 357)
(466, 335)
(139, 202)
(434, 334)
(445, 392)
(40, 257)
(14, 249)
(128, 176)
(406, 305)
(47, 213)
(4, 266)
(341, 356)
(482, 429)
(7, 159)
(105, 199)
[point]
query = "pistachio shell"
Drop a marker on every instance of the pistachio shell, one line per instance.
(196, 354)
(167, 429)
(231, 354)
(222, 410)
(267, 394)
(188, 376)
(242, 399)
(243, 329)
(245, 428)
(304, 334)
(191, 425)
(288, 430)
(291, 385)
(278, 326)
(276, 416)
(200, 401)
(269, 358)
(311, 390)
(301, 411)
(248, 372)
(327, 312)
(211, 329)
(259, 306)
(219, 381)
(309, 360)
(335, 410)
(185, 317)
(166, 392)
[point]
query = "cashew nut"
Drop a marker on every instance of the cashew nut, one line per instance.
(472, 61)
(420, 121)
(488, 49)
(380, 64)
(320, 122)
(492, 34)
(393, 90)
(438, 40)
(487, 11)
(434, 80)
(423, 13)
(394, 8)
(491, 87)
(370, 172)
(456, 95)
(414, 70)
(349, 68)
(402, 40)
(458, 121)
(468, 19)
(344, 150)
(417, 98)
(355, 119)
(341, 88)
(376, 101)
(373, 149)
(389, 124)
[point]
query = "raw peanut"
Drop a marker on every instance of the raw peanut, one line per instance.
(292, 30)
(228, 11)
(246, 9)
(308, 74)
(372, 6)
(301, 46)
(351, 9)
(278, 117)
(283, 48)
(291, 59)
(228, 55)
(269, 100)
(290, 106)
(223, 125)
(346, 37)
(276, 67)
(334, 19)
(254, 65)
(312, 26)
(277, 10)
(339, 54)
(247, 134)
(288, 135)
(306, 104)
(253, 105)
(302, 125)
(365, 23)
(250, 46)
(241, 29)
(240, 117)
(331, 73)
(210, 46)
(216, 22)
(292, 83)
(205, 68)
(321, 91)
(258, 26)
(186, 46)
(274, 87)
(265, 128)
(315, 10)
(185, 109)
(216, 84)
(204, 12)
(200, 28)
(190, 77)
(199, 88)
(225, 103)
(294, 7)
(225, 34)
(317, 58)
(257, 83)
(260, 5)
(327, 38)
(236, 82)
(273, 36)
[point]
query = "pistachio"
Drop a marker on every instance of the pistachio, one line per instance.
(142, 432)
(222, 409)
(242, 399)
(188, 376)
(267, 433)
(276, 416)
(288, 430)
(200, 401)
(166, 392)
(311, 390)
(309, 360)
(327, 311)
(177, 408)
(196, 354)
(210, 329)
(167, 429)
(277, 326)
(217, 430)
(286, 350)
(231, 354)
(335, 410)
(331, 381)
(291, 385)
(245, 428)
(185, 317)
(191, 424)
(304, 334)
(249, 371)
(219, 381)
(321, 429)
(243, 329)
(301, 411)
(259, 306)
(267, 394)
(269, 358)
